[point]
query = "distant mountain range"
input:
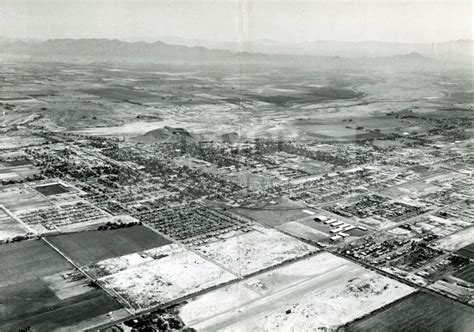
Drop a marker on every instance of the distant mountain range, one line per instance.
(454, 49)
(259, 50)
(107, 48)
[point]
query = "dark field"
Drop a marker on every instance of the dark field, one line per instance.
(44, 311)
(467, 251)
(27, 260)
(418, 312)
(274, 215)
(19, 162)
(25, 299)
(52, 189)
(466, 273)
(301, 95)
(88, 247)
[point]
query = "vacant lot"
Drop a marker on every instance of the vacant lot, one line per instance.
(321, 291)
(159, 275)
(456, 240)
(52, 189)
(419, 312)
(254, 251)
(88, 247)
(26, 260)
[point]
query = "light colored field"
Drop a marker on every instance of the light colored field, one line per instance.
(302, 231)
(254, 251)
(11, 172)
(168, 273)
(20, 198)
(15, 142)
(8, 176)
(457, 240)
(321, 291)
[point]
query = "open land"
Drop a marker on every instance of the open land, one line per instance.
(256, 250)
(159, 275)
(320, 291)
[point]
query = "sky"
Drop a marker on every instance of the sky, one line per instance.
(414, 21)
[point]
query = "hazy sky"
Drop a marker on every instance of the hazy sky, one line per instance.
(229, 20)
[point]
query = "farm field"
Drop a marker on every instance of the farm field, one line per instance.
(466, 274)
(256, 250)
(88, 247)
(44, 311)
(467, 251)
(19, 162)
(320, 291)
(15, 142)
(418, 312)
(57, 295)
(454, 288)
(16, 170)
(26, 260)
(9, 227)
(159, 275)
(17, 198)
